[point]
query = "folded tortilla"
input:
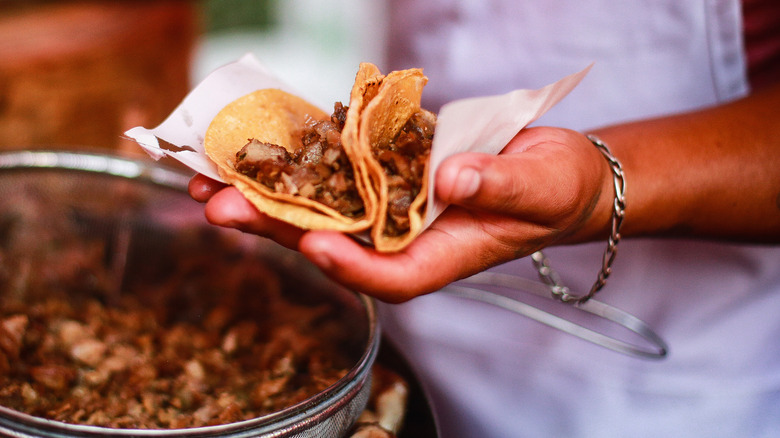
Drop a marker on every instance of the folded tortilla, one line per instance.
(276, 117)
(379, 107)
(397, 100)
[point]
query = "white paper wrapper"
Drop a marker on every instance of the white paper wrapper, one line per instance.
(186, 126)
(482, 124)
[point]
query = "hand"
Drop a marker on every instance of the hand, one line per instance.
(547, 186)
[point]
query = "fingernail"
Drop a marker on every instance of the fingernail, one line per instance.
(466, 183)
(321, 259)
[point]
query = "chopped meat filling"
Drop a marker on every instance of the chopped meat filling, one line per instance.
(404, 161)
(203, 334)
(319, 169)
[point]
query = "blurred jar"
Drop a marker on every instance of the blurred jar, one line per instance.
(82, 72)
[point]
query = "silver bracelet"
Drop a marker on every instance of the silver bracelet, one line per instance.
(549, 276)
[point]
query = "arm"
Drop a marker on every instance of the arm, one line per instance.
(713, 173)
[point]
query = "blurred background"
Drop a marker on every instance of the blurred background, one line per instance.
(79, 73)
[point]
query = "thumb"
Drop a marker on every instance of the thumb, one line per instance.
(516, 184)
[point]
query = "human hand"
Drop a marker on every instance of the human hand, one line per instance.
(548, 186)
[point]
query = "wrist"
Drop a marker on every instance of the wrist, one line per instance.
(617, 214)
(596, 222)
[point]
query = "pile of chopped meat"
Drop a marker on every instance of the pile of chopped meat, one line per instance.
(404, 161)
(319, 170)
(202, 332)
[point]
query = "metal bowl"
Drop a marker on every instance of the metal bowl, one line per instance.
(131, 204)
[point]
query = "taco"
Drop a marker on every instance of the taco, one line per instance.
(395, 138)
(361, 167)
(292, 160)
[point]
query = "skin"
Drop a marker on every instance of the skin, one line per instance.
(712, 174)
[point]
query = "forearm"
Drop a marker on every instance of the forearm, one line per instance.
(713, 173)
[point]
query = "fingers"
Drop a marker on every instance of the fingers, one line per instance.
(395, 277)
(448, 251)
(454, 247)
(202, 188)
(229, 208)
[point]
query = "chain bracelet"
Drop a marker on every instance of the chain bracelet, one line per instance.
(550, 277)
